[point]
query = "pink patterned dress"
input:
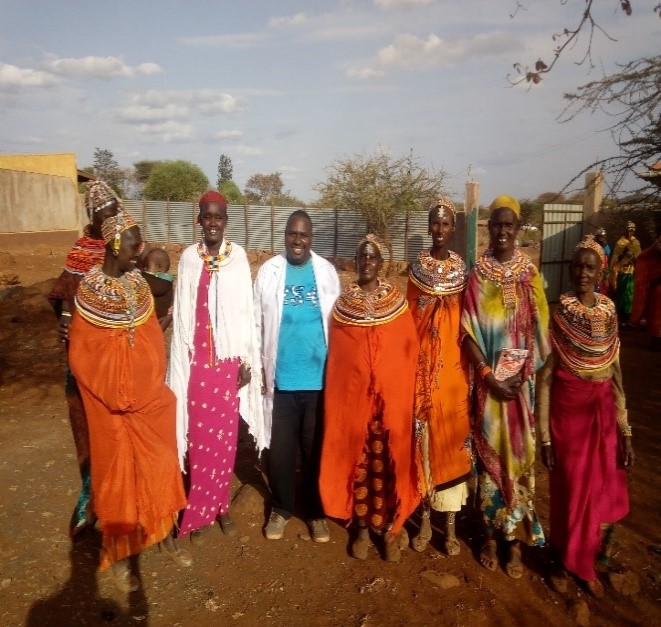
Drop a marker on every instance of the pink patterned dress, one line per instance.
(213, 424)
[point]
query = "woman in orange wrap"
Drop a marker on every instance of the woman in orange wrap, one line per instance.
(443, 453)
(367, 472)
(117, 355)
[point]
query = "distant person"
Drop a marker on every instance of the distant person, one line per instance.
(586, 439)
(101, 202)
(368, 475)
(155, 266)
(294, 295)
(647, 292)
(435, 293)
(214, 366)
(623, 261)
(118, 357)
(603, 287)
(505, 308)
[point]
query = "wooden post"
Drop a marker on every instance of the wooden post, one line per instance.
(272, 227)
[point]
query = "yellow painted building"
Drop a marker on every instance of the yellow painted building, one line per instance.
(53, 164)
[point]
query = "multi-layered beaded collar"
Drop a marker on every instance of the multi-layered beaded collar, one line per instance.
(213, 262)
(585, 338)
(439, 277)
(505, 274)
(116, 303)
(360, 308)
(86, 253)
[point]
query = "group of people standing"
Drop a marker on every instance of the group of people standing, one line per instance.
(391, 398)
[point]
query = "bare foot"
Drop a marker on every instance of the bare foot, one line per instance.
(514, 567)
(489, 555)
(595, 588)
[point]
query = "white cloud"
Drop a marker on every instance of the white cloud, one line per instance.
(102, 68)
(12, 76)
(409, 51)
(210, 102)
(291, 20)
(228, 134)
(168, 132)
(247, 150)
(235, 40)
(145, 113)
(364, 73)
(395, 4)
(290, 168)
(155, 106)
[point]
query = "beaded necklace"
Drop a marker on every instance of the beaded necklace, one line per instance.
(439, 277)
(213, 262)
(360, 308)
(115, 303)
(585, 337)
(86, 253)
(506, 274)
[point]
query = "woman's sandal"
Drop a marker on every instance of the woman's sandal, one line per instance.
(123, 578)
(360, 546)
(452, 546)
(513, 566)
(489, 555)
(422, 538)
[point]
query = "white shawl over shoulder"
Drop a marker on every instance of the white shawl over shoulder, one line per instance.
(233, 322)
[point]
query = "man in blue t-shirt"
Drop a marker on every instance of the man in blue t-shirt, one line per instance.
(294, 296)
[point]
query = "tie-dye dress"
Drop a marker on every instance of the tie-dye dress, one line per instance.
(505, 307)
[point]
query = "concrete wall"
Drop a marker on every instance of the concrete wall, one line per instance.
(37, 203)
(57, 164)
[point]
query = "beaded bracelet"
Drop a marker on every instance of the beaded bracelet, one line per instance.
(547, 443)
(484, 371)
(626, 431)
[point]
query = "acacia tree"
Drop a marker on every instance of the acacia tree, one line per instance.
(175, 180)
(263, 188)
(586, 26)
(225, 170)
(380, 187)
(106, 168)
(632, 98)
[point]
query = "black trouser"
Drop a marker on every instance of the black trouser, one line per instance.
(297, 421)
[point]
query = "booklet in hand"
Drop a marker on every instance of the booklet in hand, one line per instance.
(510, 362)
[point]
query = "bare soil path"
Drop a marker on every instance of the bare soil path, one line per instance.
(247, 580)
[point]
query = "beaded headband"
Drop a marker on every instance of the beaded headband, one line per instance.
(588, 242)
(370, 238)
(442, 203)
(99, 195)
(113, 227)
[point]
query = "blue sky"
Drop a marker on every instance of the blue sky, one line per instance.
(291, 86)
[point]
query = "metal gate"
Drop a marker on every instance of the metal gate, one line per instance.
(563, 229)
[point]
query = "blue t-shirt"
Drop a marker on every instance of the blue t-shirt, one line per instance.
(302, 347)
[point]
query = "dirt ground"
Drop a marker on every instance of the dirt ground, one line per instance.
(247, 580)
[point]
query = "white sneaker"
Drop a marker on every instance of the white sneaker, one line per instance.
(275, 528)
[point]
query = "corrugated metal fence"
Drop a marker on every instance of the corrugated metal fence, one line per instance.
(336, 231)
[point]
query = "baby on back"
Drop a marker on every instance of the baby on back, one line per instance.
(155, 266)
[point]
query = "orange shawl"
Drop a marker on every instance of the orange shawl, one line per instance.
(136, 479)
(441, 391)
(368, 364)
